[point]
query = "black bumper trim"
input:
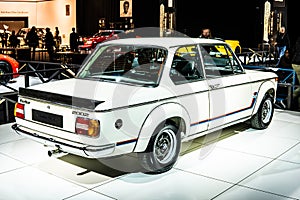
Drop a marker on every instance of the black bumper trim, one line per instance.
(17, 129)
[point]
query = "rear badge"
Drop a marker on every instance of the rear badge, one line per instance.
(24, 101)
(74, 112)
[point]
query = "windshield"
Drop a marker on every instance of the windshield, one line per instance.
(140, 65)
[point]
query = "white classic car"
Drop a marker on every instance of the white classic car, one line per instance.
(146, 96)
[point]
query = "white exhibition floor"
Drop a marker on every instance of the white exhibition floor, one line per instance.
(241, 164)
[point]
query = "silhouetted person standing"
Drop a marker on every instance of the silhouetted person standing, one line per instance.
(57, 39)
(4, 38)
(285, 61)
(74, 40)
(49, 43)
(14, 42)
(32, 39)
(282, 41)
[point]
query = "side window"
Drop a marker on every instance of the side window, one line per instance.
(219, 61)
(186, 65)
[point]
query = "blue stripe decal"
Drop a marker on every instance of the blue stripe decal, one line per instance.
(228, 114)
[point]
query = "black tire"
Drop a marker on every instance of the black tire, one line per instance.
(264, 114)
(162, 151)
(5, 68)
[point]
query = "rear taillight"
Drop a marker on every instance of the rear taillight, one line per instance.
(19, 110)
(88, 127)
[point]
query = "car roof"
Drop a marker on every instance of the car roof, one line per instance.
(166, 42)
(113, 30)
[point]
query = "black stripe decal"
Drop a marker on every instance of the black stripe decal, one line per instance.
(126, 142)
(227, 114)
(174, 97)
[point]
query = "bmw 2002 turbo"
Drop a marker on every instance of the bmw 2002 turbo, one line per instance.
(146, 96)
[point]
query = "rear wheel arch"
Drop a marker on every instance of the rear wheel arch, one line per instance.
(172, 113)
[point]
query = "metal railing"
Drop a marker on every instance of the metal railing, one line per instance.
(287, 78)
(256, 57)
(44, 71)
(47, 71)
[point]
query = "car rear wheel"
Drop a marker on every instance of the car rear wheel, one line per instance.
(264, 115)
(5, 68)
(162, 151)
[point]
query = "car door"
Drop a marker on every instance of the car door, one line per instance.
(190, 86)
(230, 91)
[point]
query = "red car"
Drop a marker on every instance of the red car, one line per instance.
(91, 42)
(8, 65)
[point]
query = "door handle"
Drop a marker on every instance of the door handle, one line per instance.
(214, 86)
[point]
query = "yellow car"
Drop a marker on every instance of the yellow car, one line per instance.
(235, 45)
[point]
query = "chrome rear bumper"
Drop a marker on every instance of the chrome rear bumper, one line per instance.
(65, 145)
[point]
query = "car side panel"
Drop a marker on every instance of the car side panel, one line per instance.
(231, 99)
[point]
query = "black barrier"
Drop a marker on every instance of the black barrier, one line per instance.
(17, 53)
(66, 57)
(287, 83)
(7, 102)
(26, 54)
(45, 71)
(23, 54)
(251, 56)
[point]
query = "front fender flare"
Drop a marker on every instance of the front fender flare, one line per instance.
(265, 88)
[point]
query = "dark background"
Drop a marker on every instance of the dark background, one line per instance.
(236, 20)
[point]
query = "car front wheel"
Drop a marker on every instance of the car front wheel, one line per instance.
(162, 151)
(264, 115)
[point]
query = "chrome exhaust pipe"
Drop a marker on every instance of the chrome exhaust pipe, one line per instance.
(54, 152)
